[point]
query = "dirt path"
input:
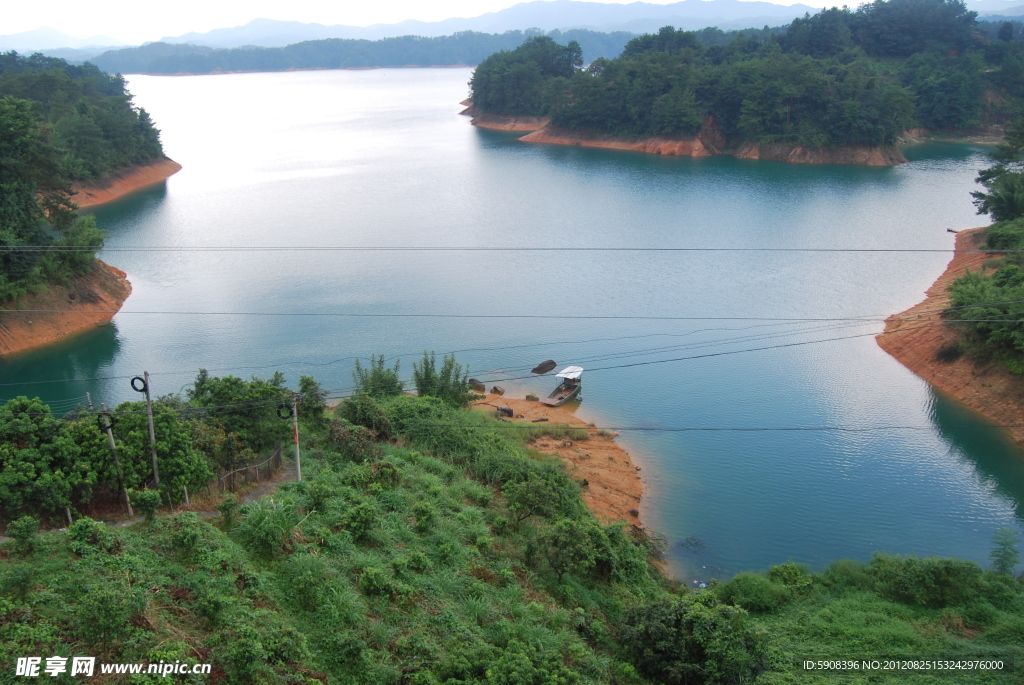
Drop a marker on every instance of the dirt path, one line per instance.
(990, 389)
(613, 488)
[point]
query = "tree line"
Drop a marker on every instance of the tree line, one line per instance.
(59, 123)
(462, 48)
(839, 77)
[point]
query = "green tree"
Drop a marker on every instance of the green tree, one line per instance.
(568, 545)
(247, 408)
(23, 532)
(534, 496)
(147, 502)
(42, 469)
(1004, 554)
(1004, 181)
(694, 639)
(1005, 31)
(377, 380)
(312, 402)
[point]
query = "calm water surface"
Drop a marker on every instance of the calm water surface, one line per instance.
(382, 158)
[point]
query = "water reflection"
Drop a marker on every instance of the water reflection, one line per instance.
(997, 461)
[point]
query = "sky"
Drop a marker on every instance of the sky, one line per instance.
(134, 22)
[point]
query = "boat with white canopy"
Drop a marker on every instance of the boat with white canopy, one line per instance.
(568, 389)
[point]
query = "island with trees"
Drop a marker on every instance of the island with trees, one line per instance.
(841, 86)
(66, 132)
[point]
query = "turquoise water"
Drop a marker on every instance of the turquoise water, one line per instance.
(381, 158)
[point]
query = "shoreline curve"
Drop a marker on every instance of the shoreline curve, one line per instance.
(613, 489)
(105, 288)
(123, 182)
(990, 390)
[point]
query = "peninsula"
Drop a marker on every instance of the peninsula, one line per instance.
(72, 139)
(839, 87)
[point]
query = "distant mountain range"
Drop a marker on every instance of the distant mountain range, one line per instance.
(547, 15)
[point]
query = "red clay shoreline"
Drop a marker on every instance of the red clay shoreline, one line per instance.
(90, 300)
(123, 182)
(708, 142)
(988, 389)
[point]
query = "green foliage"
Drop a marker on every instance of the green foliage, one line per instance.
(535, 496)
(694, 640)
(754, 592)
(1004, 555)
(928, 582)
(520, 81)
(313, 402)
(245, 408)
(86, 536)
(228, 508)
(42, 469)
(23, 532)
(377, 380)
(451, 385)
(840, 77)
(1004, 181)
(146, 502)
(569, 546)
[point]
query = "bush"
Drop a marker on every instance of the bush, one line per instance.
(87, 535)
(265, 527)
(23, 531)
(146, 502)
(754, 592)
(353, 441)
(847, 574)
(228, 508)
(794, 576)
(375, 581)
(695, 639)
(929, 582)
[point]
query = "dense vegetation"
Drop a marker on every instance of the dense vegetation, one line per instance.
(466, 47)
(990, 301)
(839, 77)
(58, 124)
(426, 544)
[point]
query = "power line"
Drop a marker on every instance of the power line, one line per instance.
(463, 248)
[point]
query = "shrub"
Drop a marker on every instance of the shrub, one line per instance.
(792, 575)
(87, 535)
(360, 519)
(377, 380)
(228, 508)
(103, 613)
(265, 527)
(569, 545)
(147, 502)
(949, 352)
(847, 574)
(23, 531)
(425, 514)
(754, 592)
(375, 581)
(1004, 553)
(535, 496)
(695, 639)
(354, 442)
(930, 581)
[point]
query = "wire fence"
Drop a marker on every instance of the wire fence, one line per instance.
(232, 480)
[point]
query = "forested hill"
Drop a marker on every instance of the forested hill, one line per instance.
(463, 48)
(839, 77)
(59, 123)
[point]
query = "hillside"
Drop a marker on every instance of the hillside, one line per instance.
(428, 544)
(840, 77)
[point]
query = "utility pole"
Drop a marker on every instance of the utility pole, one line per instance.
(117, 463)
(149, 414)
(88, 396)
(295, 431)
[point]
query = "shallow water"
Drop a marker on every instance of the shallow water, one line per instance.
(381, 158)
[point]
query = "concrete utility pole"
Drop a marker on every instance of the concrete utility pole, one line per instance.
(117, 463)
(149, 414)
(295, 430)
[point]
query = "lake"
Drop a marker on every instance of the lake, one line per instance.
(382, 158)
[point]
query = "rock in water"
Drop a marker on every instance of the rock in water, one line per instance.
(544, 367)
(476, 385)
(498, 390)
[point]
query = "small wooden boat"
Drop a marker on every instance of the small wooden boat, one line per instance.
(568, 389)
